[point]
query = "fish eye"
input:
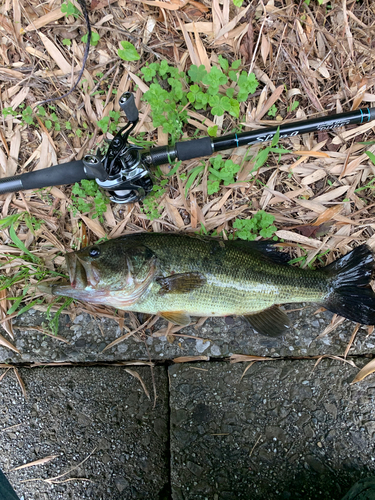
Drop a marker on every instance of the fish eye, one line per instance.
(94, 252)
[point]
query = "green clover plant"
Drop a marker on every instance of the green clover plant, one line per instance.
(220, 90)
(261, 224)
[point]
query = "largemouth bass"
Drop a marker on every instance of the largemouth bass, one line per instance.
(177, 276)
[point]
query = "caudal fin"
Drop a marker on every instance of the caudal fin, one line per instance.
(351, 295)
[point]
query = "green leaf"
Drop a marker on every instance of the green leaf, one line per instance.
(247, 84)
(174, 169)
(27, 115)
(230, 92)
(163, 68)
(213, 187)
(128, 52)
(275, 138)
(103, 124)
(193, 175)
(234, 108)
(41, 111)
(201, 99)
(238, 3)
(67, 42)
(197, 74)
(212, 131)
(17, 302)
(95, 37)
(69, 9)
(371, 156)
(236, 64)
(233, 75)
(293, 106)
(218, 109)
(10, 220)
(21, 245)
(223, 63)
(261, 158)
(148, 73)
(215, 77)
(272, 111)
(260, 223)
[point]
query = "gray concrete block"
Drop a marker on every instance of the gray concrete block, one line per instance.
(108, 440)
(87, 336)
(282, 432)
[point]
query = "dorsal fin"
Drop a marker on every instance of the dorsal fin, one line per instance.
(265, 249)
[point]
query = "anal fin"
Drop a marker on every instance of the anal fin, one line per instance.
(271, 322)
(181, 318)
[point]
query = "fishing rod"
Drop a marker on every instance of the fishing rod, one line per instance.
(125, 170)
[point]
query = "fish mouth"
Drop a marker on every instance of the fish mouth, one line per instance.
(77, 273)
(81, 274)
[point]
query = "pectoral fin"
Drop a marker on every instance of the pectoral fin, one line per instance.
(181, 283)
(271, 322)
(177, 317)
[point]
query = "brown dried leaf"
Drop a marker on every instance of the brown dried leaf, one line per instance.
(335, 322)
(5, 372)
(358, 98)
(137, 376)
(6, 24)
(101, 4)
(192, 53)
(240, 358)
(274, 97)
(21, 382)
(264, 48)
(313, 231)
(55, 53)
(297, 238)
(5, 343)
(94, 226)
(41, 461)
(328, 215)
(356, 328)
(202, 54)
(202, 8)
(313, 154)
(366, 370)
(189, 359)
(50, 17)
(7, 325)
(338, 358)
(173, 5)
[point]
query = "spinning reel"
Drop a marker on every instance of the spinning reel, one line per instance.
(121, 170)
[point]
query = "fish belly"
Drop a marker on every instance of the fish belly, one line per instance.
(219, 300)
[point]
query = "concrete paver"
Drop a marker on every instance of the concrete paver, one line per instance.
(108, 441)
(86, 337)
(282, 432)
